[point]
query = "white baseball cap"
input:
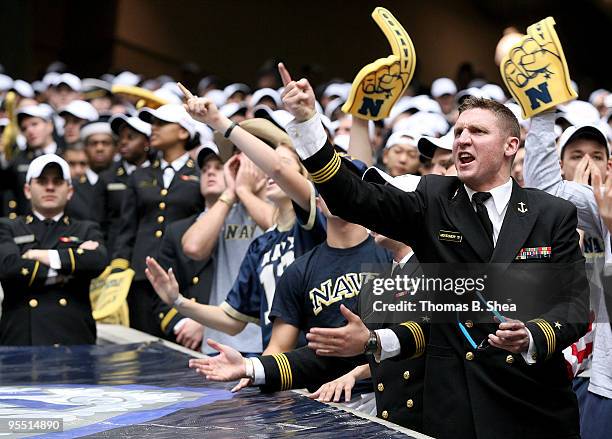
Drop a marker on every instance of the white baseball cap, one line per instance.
(171, 113)
(231, 109)
(81, 109)
(406, 182)
(572, 132)
(120, 120)
(6, 82)
(38, 165)
(42, 111)
(495, 92)
(427, 145)
(404, 137)
(205, 151)
(280, 118)
(234, 88)
(126, 78)
(423, 124)
(217, 96)
(266, 92)
(95, 127)
(332, 106)
(23, 88)
(579, 113)
(70, 80)
(339, 89)
(443, 86)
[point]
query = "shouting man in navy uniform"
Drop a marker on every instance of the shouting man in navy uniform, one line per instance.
(47, 261)
(514, 383)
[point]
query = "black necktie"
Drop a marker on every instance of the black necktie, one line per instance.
(481, 210)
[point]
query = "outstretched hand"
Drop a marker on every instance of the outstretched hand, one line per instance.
(348, 341)
(227, 366)
(164, 284)
(298, 96)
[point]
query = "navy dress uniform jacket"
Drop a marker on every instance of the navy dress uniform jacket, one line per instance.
(194, 277)
(114, 183)
(37, 313)
(148, 207)
(489, 393)
(87, 201)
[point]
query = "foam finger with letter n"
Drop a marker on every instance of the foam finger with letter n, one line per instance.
(535, 70)
(380, 84)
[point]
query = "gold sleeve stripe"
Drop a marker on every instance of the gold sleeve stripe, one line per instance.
(72, 261)
(289, 373)
(167, 319)
(283, 370)
(328, 171)
(419, 337)
(549, 334)
(34, 271)
(327, 167)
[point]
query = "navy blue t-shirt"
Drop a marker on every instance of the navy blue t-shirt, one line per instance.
(311, 290)
(266, 259)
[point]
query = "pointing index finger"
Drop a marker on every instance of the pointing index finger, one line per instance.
(186, 92)
(284, 74)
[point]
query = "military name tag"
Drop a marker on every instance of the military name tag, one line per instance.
(150, 183)
(24, 239)
(446, 235)
(116, 187)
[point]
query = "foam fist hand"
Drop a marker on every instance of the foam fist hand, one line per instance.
(535, 70)
(379, 85)
(298, 96)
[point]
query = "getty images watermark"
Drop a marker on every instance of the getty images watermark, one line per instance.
(448, 293)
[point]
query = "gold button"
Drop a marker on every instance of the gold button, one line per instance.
(80, 251)
(406, 375)
(162, 205)
(410, 403)
(63, 302)
(158, 233)
(25, 271)
(160, 219)
(385, 414)
(33, 303)
(195, 280)
(164, 192)
(534, 356)
(12, 204)
(12, 215)
(160, 315)
(509, 359)
(469, 324)
(469, 356)
(381, 387)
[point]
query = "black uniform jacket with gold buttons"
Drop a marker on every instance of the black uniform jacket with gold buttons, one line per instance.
(87, 200)
(398, 382)
(148, 207)
(114, 183)
(194, 277)
(35, 312)
(480, 393)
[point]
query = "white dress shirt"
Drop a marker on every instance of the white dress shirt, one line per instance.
(176, 165)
